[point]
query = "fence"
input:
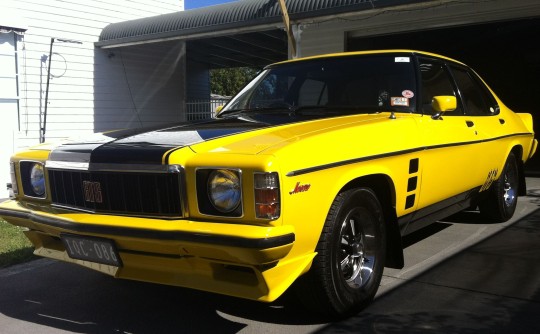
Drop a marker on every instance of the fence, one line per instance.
(203, 109)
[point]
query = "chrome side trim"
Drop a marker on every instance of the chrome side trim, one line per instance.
(66, 165)
(102, 167)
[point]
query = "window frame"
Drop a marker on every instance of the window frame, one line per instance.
(485, 94)
(420, 86)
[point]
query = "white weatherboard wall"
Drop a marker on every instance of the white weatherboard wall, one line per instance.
(8, 103)
(77, 105)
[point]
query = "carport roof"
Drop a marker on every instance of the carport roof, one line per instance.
(249, 26)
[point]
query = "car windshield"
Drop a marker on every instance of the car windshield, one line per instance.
(352, 84)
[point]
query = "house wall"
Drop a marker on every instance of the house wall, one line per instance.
(322, 38)
(8, 103)
(89, 90)
(75, 68)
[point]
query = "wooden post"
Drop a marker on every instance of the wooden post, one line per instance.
(288, 27)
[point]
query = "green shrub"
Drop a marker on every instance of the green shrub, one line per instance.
(14, 247)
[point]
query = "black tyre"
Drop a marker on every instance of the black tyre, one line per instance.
(500, 203)
(347, 270)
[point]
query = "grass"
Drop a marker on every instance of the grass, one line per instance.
(14, 247)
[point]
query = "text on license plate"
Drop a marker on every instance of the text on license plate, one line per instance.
(91, 249)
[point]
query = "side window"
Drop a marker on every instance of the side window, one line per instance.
(475, 97)
(435, 81)
(313, 93)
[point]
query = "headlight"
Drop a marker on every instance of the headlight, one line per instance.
(37, 179)
(224, 190)
(33, 178)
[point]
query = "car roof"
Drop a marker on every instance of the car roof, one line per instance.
(371, 52)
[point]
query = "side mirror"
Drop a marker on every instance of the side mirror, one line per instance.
(442, 104)
(218, 109)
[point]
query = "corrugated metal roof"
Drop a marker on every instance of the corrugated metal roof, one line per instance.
(234, 15)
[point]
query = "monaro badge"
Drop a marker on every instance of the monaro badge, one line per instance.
(300, 188)
(92, 192)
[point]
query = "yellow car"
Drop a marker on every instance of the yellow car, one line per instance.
(311, 174)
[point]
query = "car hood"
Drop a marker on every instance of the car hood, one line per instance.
(152, 146)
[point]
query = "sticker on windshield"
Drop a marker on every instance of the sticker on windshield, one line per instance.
(403, 60)
(399, 101)
(407, 93)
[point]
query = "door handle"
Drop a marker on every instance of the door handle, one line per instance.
(470, 124)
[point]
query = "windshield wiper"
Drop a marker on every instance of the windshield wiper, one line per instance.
(233, 112)
(279, 109)
(339, 110)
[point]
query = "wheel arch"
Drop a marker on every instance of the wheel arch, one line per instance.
(384, 189)
(518, 152)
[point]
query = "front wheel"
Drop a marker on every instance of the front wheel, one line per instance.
(347, 270)
(500, 203)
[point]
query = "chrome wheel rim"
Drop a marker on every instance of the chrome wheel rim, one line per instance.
(356, 260)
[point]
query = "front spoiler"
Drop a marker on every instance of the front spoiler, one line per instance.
(234, 259)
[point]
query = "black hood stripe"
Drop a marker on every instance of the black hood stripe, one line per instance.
(148, 146)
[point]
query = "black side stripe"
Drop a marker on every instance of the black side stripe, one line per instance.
(396, 153)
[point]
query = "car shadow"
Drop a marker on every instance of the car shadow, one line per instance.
(75, 299)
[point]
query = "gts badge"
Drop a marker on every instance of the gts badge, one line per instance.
(92, 192)
(300, 188)
(490, 179)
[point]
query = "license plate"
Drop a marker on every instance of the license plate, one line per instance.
(91, 249)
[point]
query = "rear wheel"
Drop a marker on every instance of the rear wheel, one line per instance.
(500, 203)
(347, 270)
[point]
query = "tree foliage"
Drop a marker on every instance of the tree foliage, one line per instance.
(228, 81)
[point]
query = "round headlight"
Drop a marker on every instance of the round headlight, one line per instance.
(37, 179)
(224, 190)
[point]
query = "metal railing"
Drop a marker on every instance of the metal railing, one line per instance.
(203, 109)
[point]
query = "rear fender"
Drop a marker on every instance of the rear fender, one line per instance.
(527, 121)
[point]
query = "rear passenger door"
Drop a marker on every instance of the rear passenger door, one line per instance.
(478, 102)
(482, 110)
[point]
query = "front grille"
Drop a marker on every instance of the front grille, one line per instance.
(124, 193)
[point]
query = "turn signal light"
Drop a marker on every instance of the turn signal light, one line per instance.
(267, 198)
